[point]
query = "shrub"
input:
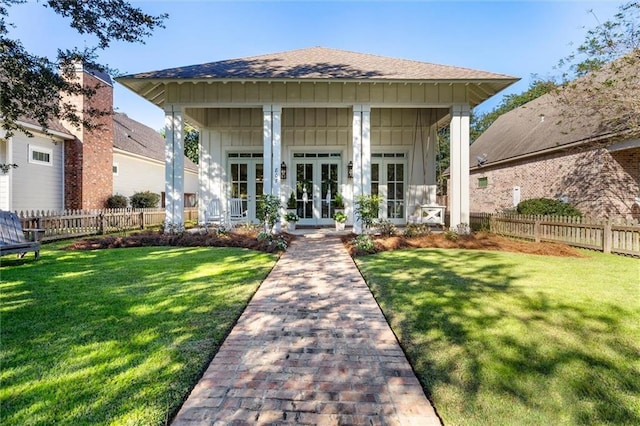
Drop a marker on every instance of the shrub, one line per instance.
(364, 244)
(338, 202)
(416, 230)
(547, 206)
(386, 228)
(268, 210)
(143, 200)
(366, 209)
(117, 201)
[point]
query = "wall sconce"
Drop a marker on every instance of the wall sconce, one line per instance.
(283, 171)
(350, 170)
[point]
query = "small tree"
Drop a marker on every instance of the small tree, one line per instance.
(268, 211)
(143, 200)
(366, 209)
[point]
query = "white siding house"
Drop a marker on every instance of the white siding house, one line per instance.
(38, 181)
(138, 161)
(337, 121)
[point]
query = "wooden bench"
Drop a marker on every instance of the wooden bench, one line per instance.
(12, 238)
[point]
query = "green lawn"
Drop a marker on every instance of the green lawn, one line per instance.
(115, 336)
(504, 338)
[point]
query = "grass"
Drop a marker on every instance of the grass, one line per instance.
(115, 336)
(504, 338)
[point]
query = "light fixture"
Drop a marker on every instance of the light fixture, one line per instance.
(283, 171)
(350, 170)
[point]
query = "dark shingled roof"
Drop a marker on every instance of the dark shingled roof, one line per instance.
(136, 138)
(321, 63)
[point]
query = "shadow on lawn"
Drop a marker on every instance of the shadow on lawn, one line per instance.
(465, 325)
(93, 336)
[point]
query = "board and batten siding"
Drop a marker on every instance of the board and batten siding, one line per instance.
(137, 175)
(295, 93)
(36, 186)
(4, 177)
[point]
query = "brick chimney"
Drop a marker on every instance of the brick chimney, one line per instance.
(88, 160)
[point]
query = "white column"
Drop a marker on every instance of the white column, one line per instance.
(357, 162)
(366, 149)
(276, 150)
(204, 183)
(174, 168)
(459, 151)
(266, 147)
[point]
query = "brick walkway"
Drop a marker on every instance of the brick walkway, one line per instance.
(312, 347)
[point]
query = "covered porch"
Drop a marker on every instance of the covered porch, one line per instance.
(317, 123)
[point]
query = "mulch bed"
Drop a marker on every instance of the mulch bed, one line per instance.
(478, 241)
(237, 238)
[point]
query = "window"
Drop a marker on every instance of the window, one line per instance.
(115, 169)
(39, 155)
(483, 182)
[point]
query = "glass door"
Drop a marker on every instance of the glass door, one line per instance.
(246, 172)
(388, 177)
(317, 183)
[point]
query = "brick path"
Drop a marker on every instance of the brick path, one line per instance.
(312, 347)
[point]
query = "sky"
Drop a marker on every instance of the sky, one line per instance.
(523, 39)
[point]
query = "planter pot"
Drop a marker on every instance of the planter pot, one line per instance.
(340, 226)
(291, 226)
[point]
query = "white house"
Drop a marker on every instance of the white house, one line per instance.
(75, 168)
(316, 122)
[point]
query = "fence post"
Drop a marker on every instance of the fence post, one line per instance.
(536, 231)
(101, 223)
(607, 237)
(142, 219)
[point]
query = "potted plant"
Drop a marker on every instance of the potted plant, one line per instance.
(340, 218)
(291, 219)
(292, 203)
(338, 203)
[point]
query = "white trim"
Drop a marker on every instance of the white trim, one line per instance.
(47, 132)
(41, 150)
(634, 143)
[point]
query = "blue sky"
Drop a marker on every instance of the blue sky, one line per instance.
(518, 38)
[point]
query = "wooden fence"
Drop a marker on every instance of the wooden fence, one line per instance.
(78, 223)
(610, 236)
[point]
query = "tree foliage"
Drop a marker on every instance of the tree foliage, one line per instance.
(26, 80)
(191, 137)
(601, 79)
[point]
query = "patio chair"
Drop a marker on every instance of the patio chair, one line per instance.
(237, 213)
(214, 214)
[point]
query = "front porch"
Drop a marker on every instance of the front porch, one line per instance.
(317, 123)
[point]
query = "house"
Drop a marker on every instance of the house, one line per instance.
(138, 161)
(66, 167)
(537, 151)
(318, 122)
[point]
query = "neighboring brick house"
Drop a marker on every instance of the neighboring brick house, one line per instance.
(535, 151)
(73, 168)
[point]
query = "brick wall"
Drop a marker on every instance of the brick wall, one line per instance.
(89, 159)
(600, 183)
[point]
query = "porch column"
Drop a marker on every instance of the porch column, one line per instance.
(272, 130)
(361, 156)
(174, 169)
(459, 168)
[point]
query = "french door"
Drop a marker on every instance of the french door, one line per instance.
(317, 181)
(246, 179)
(388, 181)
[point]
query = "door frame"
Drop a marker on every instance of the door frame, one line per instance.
(251, 159)
(317, 158)
(384, 158)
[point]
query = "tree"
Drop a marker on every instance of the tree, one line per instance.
(26, 79)
(481, 122)
(601, 79)
(191, 137)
